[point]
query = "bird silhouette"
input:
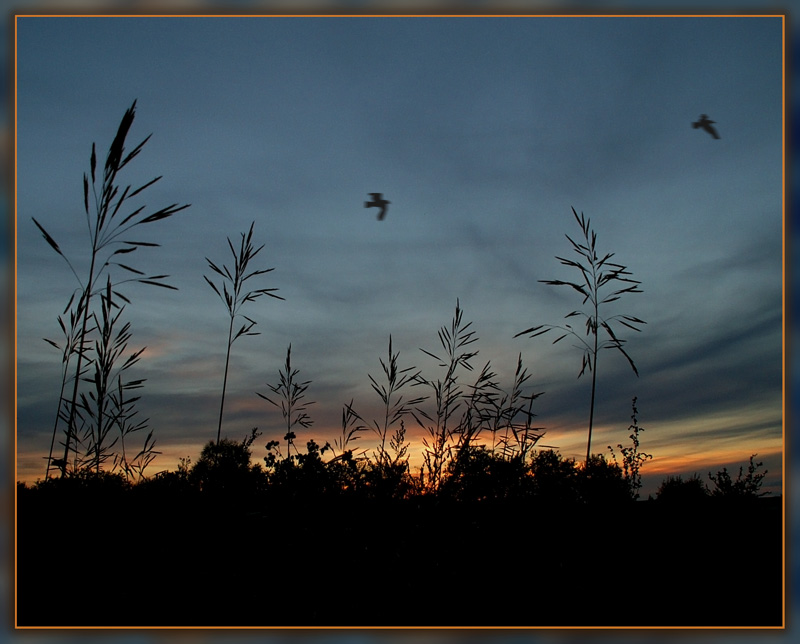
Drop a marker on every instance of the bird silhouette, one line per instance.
(378, 202)
(705, 123)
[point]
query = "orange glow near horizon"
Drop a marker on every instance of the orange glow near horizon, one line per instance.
(668, 459)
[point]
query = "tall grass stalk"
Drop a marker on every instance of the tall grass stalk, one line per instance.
(595, 274)
(289, 398)
(133, 468)
(108, 227)
(351, 432)
(480, 403)
(105, 408)
(237, 297)
(395, 408)
(519, 437)
(507, 416)
(72, 346)
(448, 395)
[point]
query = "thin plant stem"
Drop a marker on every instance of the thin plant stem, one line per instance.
(290, 394)
(591, 402)
(73, 400)
(225, 380)
(595, 274)
(236, 297)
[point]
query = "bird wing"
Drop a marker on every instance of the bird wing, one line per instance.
(376, 195)
(710, 129)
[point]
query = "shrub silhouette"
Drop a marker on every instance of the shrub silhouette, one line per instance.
(303, 475)
(224, 468)
(86, 480)
(346, 467)
(602, 482)
(388, 481)
(744, 487)
(347, 471)
(555, 479)
(632, 458)
(477, 474)
(677, 490)
(168, 482)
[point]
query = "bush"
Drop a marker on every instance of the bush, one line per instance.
(168, 482)
(675, 489)
(307, 476)
(477, 474)
(83, 481)
(224, 468)
(746, 487)
(602, 482)
(554, 477)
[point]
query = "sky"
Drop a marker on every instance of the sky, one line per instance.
(483, 133)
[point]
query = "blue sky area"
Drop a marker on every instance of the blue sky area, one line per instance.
(483, 133)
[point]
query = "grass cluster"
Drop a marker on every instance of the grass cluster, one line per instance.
(93, 411)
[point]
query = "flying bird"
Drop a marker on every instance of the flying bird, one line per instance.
(378, 202)
(705, 123)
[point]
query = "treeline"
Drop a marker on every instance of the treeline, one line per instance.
(315, 541)
(225, 471)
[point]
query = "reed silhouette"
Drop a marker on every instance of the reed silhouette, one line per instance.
(395, 409)
(596, 273)
(235, 298)
(109, 223)
(289, 397)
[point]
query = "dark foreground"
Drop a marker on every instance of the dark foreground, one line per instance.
(188, 561)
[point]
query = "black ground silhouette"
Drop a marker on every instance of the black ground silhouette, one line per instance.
(189, 559)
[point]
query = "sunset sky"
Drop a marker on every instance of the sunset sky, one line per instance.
(483, 133)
